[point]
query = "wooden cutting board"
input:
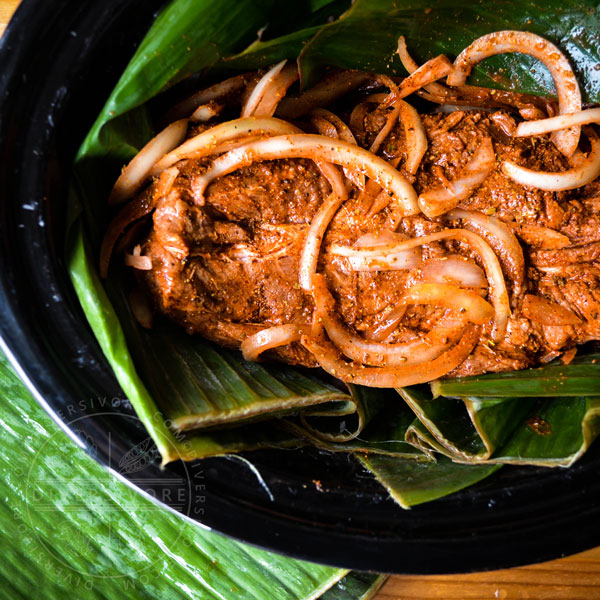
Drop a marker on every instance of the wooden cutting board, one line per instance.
(572, 578)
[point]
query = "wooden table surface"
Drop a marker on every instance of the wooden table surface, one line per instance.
(573, 578)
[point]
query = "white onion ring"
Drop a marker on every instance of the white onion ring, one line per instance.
(208, 142)
(502, 240)
(260, 88)
(424, 348)
(276, 91)
(143, 263)
(392, 377)
(266, 339)
(317, 148)
(501, 42)
(586, 169)
(138, 170)
(498, 293)
(454, 269)
(437, 201)
(309, 256)
(416, 138)
(411, 66)
(541, 126)
(206, 112)
(186, 107)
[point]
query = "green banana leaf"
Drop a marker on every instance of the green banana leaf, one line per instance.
(366, 38)
(580, 377)
(70, 529)
(411, 482)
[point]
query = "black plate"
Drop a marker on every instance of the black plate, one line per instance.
(59, 61)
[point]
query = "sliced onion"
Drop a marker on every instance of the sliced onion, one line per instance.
(276, 91)
(586, 169)
(416, 138)
(546, 312)
(398, 261)
(500, 42)
(391, 377)
(498, 293)
(165, 182)
(131, 212)
(502, 240)
(143, 263)
(139, 169)
(215, 92)
(272, 337)
(324, 93)
(411, 66)
(259, 89)
(454, 269)
(543, 237)
(440, 200)
(583, 117)
(309, 256)
(424, 348)
(317, 148)
(210, 141)
(206, 112)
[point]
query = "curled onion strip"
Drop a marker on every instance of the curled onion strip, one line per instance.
(139, 169)
(500, 42)
(421, 349)
(261, 88)
(186, 107)
(276, 91)
(416, 138)
(586, 169)
(502, 240)
(498, 293)
(584, 117)
(317, 148)
(143, 263)
(272, 337)
(392, 377)
(411, 66)
(324, 93)
(440, 200)
(209, 142)
(206, 112)
(309, 256)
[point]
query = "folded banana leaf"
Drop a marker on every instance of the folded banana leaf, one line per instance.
(580, 377)
(198, 385)
(69, 529)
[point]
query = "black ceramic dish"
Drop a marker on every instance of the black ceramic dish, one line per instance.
(59, 61)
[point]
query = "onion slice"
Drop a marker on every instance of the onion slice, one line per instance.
(411, 66)
(276, 91)
(272, 337)
(498, 293)
(317, 148)
(392, 377)
(541, 126)
(139, 169)
(208, 142)
(586, 169)
(440, 200)
(500, 42)
(261, 88)
(454, 270)
(502, 240)
(416, 138)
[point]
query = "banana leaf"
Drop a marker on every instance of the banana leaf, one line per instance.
(411, 483)
(69, 529)
(366, 38)
(580, 377)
